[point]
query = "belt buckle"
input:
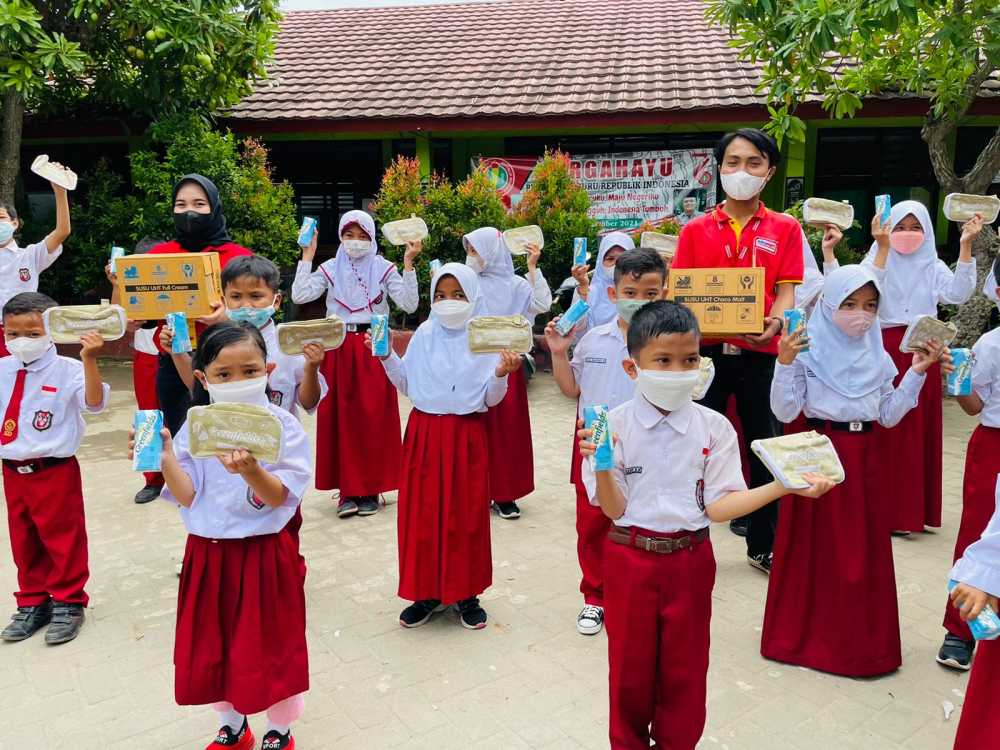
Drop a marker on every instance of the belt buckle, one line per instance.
(682, 543)
(351, 327)
(731, 350)
(649, 544)
(856, 426)
(26, 469)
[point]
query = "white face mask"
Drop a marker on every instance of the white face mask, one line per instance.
(29, 349)
(667, 389)
(475, 263)
(357, 248)
(452, 313)
(250, 391)
(742, 186)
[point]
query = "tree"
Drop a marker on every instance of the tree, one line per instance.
(140, 58)
(844, 51)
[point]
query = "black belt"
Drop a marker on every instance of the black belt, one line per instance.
(356, 327)
(33, 465)
(840, 426)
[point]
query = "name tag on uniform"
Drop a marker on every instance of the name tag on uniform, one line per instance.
(633, 470)
(595, 360)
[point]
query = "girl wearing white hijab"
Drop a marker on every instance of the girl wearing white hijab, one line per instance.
(602, 309)
(444, 510)
(358, 447)
(831, 600)
(508, 425)
(916, 282)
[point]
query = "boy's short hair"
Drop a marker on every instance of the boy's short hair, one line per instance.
(9, 208)
(254, 266)
(26, 303)
(761, 141)
(659, 318)
(638, 262)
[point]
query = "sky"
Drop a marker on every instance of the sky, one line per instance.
(314, 4)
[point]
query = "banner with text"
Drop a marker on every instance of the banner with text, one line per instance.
(625, 189)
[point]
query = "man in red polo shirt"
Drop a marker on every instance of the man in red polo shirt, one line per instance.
(743, 232)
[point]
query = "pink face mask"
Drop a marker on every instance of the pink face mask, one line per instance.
(906, 243)
(853, 322)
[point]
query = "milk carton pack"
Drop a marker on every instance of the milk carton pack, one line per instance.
(148, 441)
(580, 251)
(177, 322)
(306, 231)
(960, 379)
(380, 335)
(986, 627)
(571, 317)
(116, 252)
(883, 207)
(596, 418)
(795, 319)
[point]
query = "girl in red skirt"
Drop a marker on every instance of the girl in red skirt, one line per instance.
(240, 640)
(358, 449)
(831, 599)
(978, 574)
(508, 425)
(444, 511)
(916, 282)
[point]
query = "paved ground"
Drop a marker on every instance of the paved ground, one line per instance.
(528, 681)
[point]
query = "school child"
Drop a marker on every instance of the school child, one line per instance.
(978, 574)
(831, 601)
(20, 267)
(42, 401)
(595, 290)
(916, 282)
(240, 637)
(659, 569)
(444, 511)
(508, 425)
(982, 464)
(595, 376)
(358, 446)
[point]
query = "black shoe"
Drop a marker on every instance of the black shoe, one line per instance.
(236, 740)
(26, 622)
(368, 506)
(67, 619)
(740, 526)
(274, 741)
(956, 653)
(347, 507)
(147, 494)
(509, 511)
(761, 562)
(471, 614)
(419, 613)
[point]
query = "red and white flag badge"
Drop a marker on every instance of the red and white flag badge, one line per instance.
(765, 244)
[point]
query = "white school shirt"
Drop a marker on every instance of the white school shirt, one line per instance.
(50, 423)
(796, 389)
(947, 289)
(666, 465)
(289, 371)
(539, 301)
(986, 376)
(309, 285)
(465, 397)
(597, 367)
(224, 506)
(20, 267)
(979, 565)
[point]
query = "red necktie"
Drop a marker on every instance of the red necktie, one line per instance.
(9, 433)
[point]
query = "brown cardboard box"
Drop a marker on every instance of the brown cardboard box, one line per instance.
(726, 301)
(153, 285)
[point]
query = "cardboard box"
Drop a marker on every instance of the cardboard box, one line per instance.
(726, 301)
(153, 285)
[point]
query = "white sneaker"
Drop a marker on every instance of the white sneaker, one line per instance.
(590, 621)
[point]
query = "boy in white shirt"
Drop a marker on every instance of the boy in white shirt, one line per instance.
(20, 267)
(595, 376)
(676, 468)
(42, 401)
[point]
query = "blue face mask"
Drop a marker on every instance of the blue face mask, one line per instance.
(257, 316)
(6, 232)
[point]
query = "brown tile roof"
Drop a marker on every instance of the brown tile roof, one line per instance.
(519, 58)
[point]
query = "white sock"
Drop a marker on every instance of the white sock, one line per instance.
(233, 719)
(281, 729)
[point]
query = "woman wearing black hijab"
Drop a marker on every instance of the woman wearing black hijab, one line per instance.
(200, 226)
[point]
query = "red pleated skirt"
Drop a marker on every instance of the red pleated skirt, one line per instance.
(916, 443)
(358, 447)
(444, 509)
(979, 726)
(831, 598)
(241, 623)
(508, 430)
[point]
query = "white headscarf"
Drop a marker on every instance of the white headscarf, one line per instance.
(357, 282)
(990, 287)
(443, 376)
(851, 366)
(812, 277)
(603, 310)
(503, 293)
(909, 280)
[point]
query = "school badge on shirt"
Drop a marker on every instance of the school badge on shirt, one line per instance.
(24, 274)
(255, 502)
(42, 420)
(275, 397)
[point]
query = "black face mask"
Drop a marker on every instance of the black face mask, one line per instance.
(192, 225)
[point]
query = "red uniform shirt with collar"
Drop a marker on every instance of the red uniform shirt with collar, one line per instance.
(770, 240)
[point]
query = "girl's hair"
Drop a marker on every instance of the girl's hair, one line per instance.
(212, 342)
(9, 208)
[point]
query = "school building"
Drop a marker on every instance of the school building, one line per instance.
(350, 89)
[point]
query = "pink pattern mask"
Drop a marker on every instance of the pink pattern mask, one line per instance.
(854, 322)
(905, 242)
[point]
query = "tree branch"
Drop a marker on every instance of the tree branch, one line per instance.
(11, 123)
(987, 166)
(936, 133)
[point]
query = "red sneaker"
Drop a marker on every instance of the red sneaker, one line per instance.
(242, 740)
